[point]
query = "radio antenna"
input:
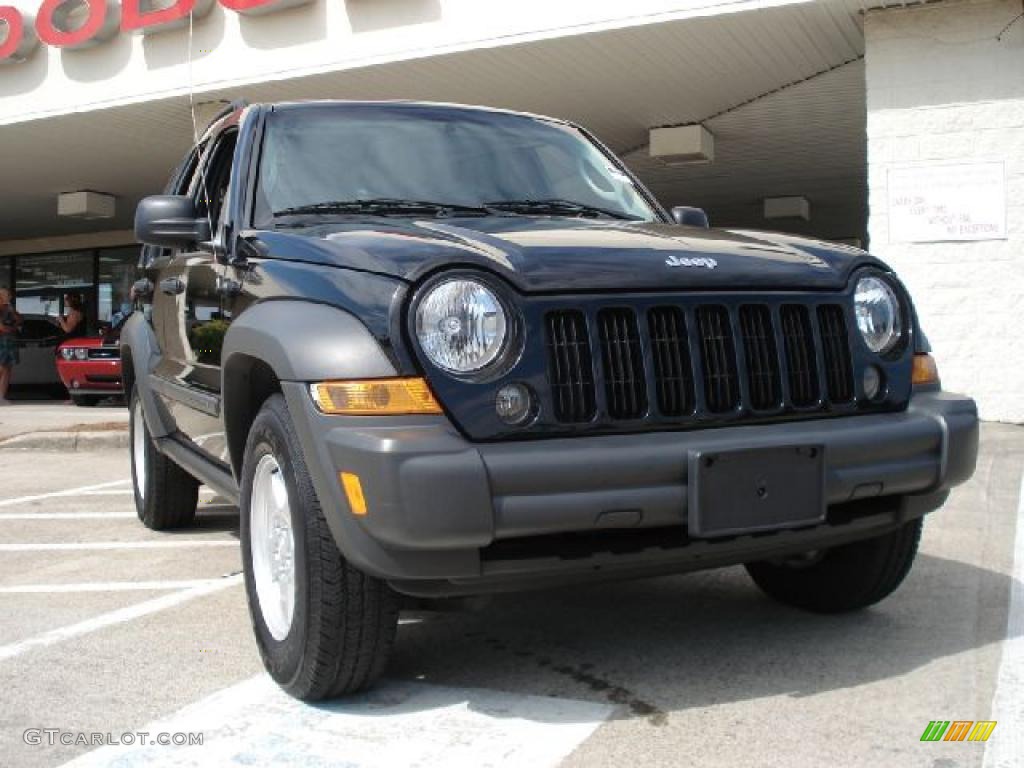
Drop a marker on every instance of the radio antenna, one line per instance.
(200, 160)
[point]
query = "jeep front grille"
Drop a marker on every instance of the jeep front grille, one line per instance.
(625, 386)
(761, 355)
(800, 358)
(707, 361)
(569, 361)
(670, 349)
(718, 356)
(836, 347)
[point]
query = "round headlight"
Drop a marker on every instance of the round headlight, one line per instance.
(461, 326)
(81, 353)
(878, 314)
(67, 353)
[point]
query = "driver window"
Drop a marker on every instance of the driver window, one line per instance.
(211, 188)
(179, 184)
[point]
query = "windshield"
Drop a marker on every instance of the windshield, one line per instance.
(328, 155)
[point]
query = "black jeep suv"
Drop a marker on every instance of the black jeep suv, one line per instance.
(435, 350)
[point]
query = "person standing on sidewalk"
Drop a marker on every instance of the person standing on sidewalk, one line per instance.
(10, 323)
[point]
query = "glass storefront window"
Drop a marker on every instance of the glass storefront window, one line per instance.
(102, 277)
(116, 275)
(41, 280)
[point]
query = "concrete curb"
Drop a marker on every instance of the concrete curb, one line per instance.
(66, 441)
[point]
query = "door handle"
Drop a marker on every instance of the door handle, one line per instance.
(172, 286)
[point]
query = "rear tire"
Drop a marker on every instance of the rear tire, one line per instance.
(325, 629)
(85, 401)
(165, 494)
(845, 578)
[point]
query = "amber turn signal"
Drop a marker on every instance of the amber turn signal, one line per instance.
(374, 397)
(925, 370)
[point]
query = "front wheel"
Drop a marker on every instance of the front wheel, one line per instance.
(323, 627)
(844, 578)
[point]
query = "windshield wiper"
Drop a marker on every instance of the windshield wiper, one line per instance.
(557, 206)
(383, 206)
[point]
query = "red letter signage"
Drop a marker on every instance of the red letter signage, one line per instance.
(257, 7)
(146, 16)
(57, 28)
(17, 37)
(74, 24)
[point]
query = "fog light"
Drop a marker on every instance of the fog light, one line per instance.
(872, 382)
(514, 404)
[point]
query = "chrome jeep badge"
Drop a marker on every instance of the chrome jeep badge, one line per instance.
(686, 261)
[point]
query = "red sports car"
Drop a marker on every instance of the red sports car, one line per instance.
(90, 367)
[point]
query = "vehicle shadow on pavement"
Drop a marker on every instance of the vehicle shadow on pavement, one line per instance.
(209, 518)
(675, 643)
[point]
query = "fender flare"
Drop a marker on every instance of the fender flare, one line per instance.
(305, 341)
(295, 341)
(139, 344)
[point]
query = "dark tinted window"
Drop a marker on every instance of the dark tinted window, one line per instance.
(211, 187)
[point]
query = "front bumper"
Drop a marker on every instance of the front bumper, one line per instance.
(447, 516)
(90, 377)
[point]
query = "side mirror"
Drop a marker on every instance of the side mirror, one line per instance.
(691, 217)
(170, 221)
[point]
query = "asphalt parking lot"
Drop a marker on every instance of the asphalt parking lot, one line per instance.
(108, 628)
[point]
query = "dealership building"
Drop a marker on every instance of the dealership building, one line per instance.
(895, 126)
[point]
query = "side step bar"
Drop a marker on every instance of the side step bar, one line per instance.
(199, 467)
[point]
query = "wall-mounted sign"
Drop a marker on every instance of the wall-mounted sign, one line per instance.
(17, 35)
(935, 203)
(75, 24)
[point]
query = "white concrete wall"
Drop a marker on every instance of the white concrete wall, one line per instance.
(321, 36)
(941, 89)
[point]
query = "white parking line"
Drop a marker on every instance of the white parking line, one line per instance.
(119, 616)
(65, 515)
(55, 494)
(106, 586)
(1006, 746)
(108, 545)
(397, 724)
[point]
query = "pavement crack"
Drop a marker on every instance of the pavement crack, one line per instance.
(582, 675)
(616, 694)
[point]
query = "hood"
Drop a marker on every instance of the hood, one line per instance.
(557, 255)
(90, 342)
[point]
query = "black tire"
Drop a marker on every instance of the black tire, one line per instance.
(845, 578)
(85, 401)
(169, 494)
(344, 621)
